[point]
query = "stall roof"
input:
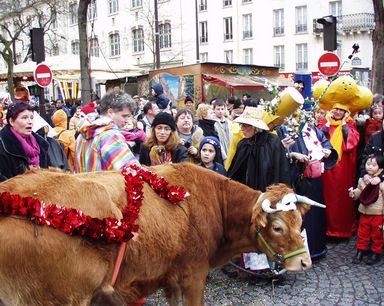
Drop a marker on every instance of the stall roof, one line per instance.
(67, 67)
(240, 81)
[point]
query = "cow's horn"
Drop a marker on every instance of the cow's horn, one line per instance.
(266, 206)
(306, 200)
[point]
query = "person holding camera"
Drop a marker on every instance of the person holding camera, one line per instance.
(310, 154)
(163, 145)
(189, 133)
(340, 129)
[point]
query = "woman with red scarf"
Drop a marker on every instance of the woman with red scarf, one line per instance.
(340, 210)
(20, 148)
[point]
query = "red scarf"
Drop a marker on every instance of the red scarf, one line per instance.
(30, 147)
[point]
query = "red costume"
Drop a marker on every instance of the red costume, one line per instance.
(340, 208)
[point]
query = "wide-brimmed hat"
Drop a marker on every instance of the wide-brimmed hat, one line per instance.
(253, 116)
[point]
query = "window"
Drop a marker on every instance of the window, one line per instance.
(165, 35)
(113, 6)
(335, 8)
(203, 5)
(92, 10)
(228, 56)
(227, 3)
(114, 43)
(248, 56)
(75, 47)
(138, 40)
(278, 57)
(301, 19)
(203, 32)
(301, 57)
(247, 26)
(228, 34)
(73, 14)
(246, 1)
(278, 22)
(203, 57)
(94, 47)
(136, 3)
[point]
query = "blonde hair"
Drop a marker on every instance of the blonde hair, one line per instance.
(171, 144)
(202, 111)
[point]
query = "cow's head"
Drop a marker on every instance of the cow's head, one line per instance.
(276, 227)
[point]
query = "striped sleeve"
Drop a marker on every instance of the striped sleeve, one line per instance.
(115, 152)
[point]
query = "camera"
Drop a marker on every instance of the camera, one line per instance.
(187, 144)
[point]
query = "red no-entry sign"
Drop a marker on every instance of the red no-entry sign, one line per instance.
(42, 75)
(329, 64)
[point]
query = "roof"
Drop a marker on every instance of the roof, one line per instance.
(239, 81)
(67, 67)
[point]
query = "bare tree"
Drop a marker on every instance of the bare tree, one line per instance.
(16, 18)
(85, 75)
(147, 16)
(378, 48)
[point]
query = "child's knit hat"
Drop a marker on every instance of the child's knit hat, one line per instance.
(211, 140)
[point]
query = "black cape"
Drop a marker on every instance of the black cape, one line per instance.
(260, 161)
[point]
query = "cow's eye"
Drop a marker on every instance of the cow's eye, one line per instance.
(278, 229)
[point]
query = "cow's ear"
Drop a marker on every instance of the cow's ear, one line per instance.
(259, 216)
(303, 208)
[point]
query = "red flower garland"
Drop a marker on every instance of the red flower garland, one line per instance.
(74, 222)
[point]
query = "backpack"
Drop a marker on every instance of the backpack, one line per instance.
(61, 143)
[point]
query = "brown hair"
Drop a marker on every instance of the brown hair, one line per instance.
(171, 144)
(16, 108)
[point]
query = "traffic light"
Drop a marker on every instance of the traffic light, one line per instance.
(329, 32)
(37, 45)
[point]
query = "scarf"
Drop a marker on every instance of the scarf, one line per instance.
(312, 143)
(159, 155)
(337, 136)
(30, 147)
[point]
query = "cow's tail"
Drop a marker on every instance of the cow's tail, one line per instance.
(107, 296)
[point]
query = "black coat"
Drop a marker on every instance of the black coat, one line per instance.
(375, 146)
(13, 160)
(179, 154)
(260, 161)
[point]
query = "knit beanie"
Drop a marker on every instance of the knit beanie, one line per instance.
(164, 118)
(211, 140)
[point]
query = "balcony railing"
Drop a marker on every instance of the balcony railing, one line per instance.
(228, 36)
(350, 23)
(247, 34)
(277, 31)
(301, 28)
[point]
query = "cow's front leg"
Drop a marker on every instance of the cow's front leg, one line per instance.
(192, 286)
(173, 294)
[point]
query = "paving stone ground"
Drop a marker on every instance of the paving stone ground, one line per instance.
(333, 280)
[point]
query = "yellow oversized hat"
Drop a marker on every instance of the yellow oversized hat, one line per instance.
(290, 100)
(343, 91)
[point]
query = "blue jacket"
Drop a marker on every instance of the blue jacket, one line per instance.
(162, 100)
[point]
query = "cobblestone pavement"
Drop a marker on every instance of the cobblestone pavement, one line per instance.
(333, 280)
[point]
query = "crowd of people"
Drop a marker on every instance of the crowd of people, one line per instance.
(332, 158)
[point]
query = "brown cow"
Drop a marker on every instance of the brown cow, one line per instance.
(176, 245)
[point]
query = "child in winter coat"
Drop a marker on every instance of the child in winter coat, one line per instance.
(371, 210)
(134, 136)
(209, 150)
(375, 122)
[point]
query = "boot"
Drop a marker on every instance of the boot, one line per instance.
(373, 259)
(358, 257)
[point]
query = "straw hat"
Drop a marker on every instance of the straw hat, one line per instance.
(253, 116)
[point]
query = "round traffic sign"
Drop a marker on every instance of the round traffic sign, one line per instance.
(329, 64)
(43, 75)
